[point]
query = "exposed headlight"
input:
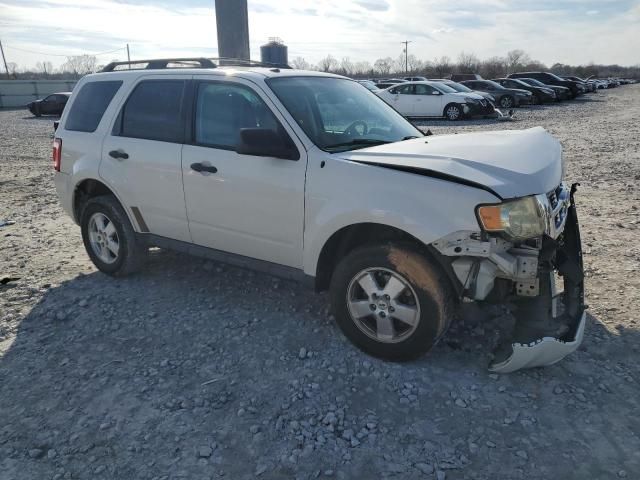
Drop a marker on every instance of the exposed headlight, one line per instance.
(516, 219)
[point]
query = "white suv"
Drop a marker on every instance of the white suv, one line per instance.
(311, 176)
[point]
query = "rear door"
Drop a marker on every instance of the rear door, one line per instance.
(429, 101)
(141, 155)
(243, 204)
(403, 99)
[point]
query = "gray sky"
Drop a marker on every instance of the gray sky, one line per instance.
(566, 31)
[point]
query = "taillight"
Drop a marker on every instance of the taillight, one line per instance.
(57, 153)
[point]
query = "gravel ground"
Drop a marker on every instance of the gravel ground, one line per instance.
(195, 370)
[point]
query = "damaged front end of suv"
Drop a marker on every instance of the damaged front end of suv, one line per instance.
(527, 254)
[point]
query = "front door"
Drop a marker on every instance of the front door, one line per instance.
(141, 156)
(243, 204)
(428, 101)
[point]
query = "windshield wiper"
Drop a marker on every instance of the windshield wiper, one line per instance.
(364, 142)
(410, 137)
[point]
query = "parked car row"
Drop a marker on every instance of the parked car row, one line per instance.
(468, 94)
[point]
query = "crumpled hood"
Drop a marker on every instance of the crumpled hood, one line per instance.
(511, 163)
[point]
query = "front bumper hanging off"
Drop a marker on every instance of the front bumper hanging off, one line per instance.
(549, 327)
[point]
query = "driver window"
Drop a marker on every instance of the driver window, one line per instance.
(422, 89)
(222, 110)
(405, 90)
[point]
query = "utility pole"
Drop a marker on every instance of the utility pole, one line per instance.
(406, 55)
(4, 60)
(128, 57)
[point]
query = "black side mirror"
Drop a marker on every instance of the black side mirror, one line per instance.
(263, 142)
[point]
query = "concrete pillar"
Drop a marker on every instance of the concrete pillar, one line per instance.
(232, 22)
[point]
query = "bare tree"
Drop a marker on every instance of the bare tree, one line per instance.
(467, 62)
(46, 68)
(347, 67)
(327, 64)
(300, 63)
(516, 59)
(383, 65)
(362, 68)
(442, 66)
(399, 65)
(493, 67)
(414, 64)
(80, 65)
(12, 68)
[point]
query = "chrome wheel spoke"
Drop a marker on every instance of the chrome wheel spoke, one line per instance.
(406, 314)
(384, 328)
(113, 247)
(109, 230)
(361, 309)
(368, 284)
(103, 238)
(394, 287)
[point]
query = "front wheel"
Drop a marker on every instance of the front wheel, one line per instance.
(391, 301)
(453, 112)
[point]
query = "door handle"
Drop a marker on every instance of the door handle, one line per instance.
(119, 154)
(199, 167)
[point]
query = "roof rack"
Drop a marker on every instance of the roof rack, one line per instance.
(195, 62)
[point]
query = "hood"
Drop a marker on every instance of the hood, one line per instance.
(475, 95)
(509, 163)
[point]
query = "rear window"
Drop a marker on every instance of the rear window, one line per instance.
(153, 112)
(89, 105)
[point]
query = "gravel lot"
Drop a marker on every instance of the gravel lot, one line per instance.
(195, 370)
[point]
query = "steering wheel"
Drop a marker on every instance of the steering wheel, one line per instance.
(353, 131)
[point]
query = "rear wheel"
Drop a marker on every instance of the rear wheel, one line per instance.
(390, 301)
(109, 237)
(453, 112)
(507, 101)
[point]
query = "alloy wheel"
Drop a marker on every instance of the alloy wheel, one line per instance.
(383, 305)
(103, 238)
(453, 112)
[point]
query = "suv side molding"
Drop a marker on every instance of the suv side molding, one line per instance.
(281, 271)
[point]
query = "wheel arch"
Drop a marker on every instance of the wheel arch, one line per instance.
(350, 237)
(88, 188)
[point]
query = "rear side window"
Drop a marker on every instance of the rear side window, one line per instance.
(89, 105)
(153, 112)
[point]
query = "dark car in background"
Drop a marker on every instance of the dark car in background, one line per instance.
(383, 83)
(50, 105)
(540, 94)
(562, 93)
(581, 81)
(505, 97)
(549, 78)
(459, 77)
(458, 87)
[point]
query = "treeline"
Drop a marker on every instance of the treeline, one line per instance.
(72, 69)
(494, 67)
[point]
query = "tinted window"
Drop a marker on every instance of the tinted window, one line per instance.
(422, 89)
(89, 105)
(405, 90)
(153, 111)
(223, 109)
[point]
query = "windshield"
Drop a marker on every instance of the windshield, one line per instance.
(369, 84)
(493, 84)
(533, 81)
(338, 115)
(443, 87)
(556, 77)
(459, 88)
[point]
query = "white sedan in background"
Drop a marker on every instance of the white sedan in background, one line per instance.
(432, 99)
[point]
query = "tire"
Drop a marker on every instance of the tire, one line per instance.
(453, 112)
(507, 102)
(117, 230)
(420, 290)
